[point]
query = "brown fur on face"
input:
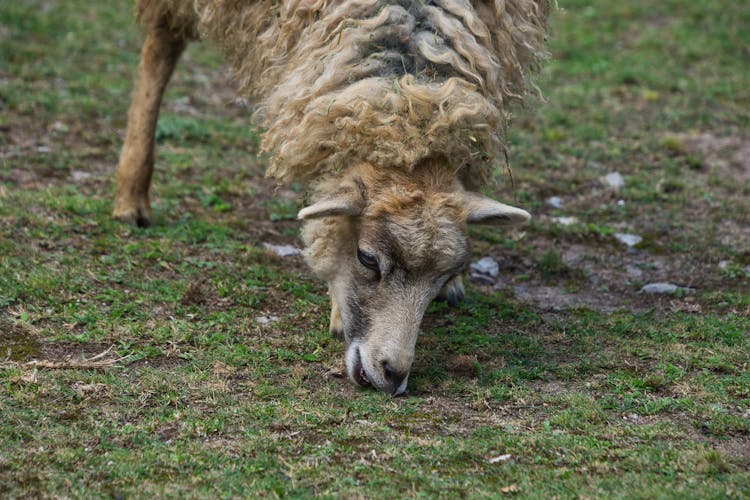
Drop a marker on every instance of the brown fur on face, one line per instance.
(415, 227)
(387, 243)
(419, 229)
(416, 206)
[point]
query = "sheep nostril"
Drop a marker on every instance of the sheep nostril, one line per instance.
(395, 377)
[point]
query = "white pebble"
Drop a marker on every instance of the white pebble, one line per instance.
(501, 458)
(660, 288)
(264, 320)
(79, 175)
(614, 180)
(486, 266)
(555, 202)
(628, 239)
(565, 221)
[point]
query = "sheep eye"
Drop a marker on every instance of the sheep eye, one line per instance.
(368, 260)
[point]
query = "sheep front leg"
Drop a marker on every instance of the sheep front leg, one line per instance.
(337, 325)
(453, 291)
(159, 55)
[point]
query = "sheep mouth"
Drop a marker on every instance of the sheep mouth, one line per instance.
(360, 376)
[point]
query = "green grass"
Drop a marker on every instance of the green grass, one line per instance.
(592, 389)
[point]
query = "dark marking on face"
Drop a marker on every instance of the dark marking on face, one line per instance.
(359, 319)
(411, 252)
(421, 263)
(389, 245)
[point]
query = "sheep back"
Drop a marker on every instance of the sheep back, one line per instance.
(389, 82)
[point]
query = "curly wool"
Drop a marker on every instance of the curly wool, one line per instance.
(389, 82)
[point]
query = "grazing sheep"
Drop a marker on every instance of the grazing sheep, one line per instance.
(392, 111)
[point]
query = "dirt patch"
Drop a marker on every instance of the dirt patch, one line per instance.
(17, 343)
(464, 365)
(194, 295)
(729, 155)
(162, 362)
(21, 348)
(735, 446)
(688, 201)
(556, 298)
(74, 354)
(606, 278)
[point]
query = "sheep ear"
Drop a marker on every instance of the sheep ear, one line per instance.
(484, 210)
(345, 202)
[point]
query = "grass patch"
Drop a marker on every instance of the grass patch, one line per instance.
(230, 384)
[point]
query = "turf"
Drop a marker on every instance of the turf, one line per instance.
(562, 380)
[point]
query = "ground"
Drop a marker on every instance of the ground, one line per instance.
(185, 359)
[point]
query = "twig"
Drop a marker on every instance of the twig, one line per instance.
(93, 362)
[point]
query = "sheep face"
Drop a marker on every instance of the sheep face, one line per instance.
(398, 267)
(387, 245)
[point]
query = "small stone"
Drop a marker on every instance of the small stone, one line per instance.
(482, 279)
(628, 239)
(747, 270)
(79, 175)
(574, 256)
(282, 250)
(565, 221)
(719, 408)
(633, 417)
(634, 271)
(620, 203)
(614, 180)
(182, 105)
(265, 320)
(660, 288)
(555, 202)
(59, 127)
(724, 264)
(501, 458)
(487, 266)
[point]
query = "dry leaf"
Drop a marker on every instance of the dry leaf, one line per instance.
(513, 488)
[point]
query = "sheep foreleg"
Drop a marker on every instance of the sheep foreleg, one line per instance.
(453, 291)
(337, 325)
(159, 55)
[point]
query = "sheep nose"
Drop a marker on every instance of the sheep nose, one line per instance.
(394, 376)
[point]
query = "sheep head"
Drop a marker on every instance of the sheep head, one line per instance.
(387, 242)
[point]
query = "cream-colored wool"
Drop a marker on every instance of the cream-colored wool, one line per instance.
(393, 110)
(389, 82)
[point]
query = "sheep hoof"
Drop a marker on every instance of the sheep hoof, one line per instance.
(337, 325)
(453, 291)
(134, 215)
(337, 333)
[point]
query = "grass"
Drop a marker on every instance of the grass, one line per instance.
(583, 386)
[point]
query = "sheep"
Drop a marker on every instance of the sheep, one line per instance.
(392, 112)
